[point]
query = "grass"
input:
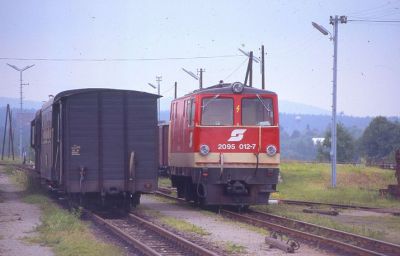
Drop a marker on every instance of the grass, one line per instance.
(182, 225)
(10, 161)
(164, 182)
(177, 224)
(65, 232)
(358, 185)
(233, 248)
(60, 229)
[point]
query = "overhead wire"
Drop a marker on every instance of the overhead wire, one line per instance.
(376, 21)
(372, 10)
(236, 69)
(120, 59)
(169, 89)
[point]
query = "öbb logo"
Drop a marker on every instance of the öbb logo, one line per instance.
(237, 135)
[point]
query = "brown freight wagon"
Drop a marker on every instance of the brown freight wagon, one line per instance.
(98, 144)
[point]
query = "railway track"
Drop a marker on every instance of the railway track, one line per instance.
(395, 212)
(339, 240)
(148, 238)
(329, 238)
(143, 235)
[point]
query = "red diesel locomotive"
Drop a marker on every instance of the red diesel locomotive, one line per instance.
(224, 145)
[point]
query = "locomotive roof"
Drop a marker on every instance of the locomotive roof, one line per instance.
(88, 90)
(226, 88)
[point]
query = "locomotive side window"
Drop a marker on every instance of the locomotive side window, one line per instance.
(217, 111)
(190, 112)
(257, 111)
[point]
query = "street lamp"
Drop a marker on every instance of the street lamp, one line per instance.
(334, 21)
(158, 79)
(255, 59)
(20, 93)
(199, 71)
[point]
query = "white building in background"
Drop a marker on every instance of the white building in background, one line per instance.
(318, 141)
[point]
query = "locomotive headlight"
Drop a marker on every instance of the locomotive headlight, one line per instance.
(271, 150)
(237, 87)
(204, 150)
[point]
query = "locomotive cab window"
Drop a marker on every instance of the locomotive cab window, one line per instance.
(217, 111)
(257, 111)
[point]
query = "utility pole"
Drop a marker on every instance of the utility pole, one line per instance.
(334, 21)
(10, 134)
(262, 68)
(201, 77)
(158, 79)
(21, 97)
(176, 90)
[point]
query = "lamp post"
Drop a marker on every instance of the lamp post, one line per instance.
(333, 21)
(20, 93)
(158, 79)
(199, 71)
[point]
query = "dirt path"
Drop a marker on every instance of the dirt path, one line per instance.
(17, 221)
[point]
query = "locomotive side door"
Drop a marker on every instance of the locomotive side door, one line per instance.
(189, 123)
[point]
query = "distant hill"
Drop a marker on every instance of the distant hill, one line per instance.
(300, 108)
(14, 103)
(293, 115)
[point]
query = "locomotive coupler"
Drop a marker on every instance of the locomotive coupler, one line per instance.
(236, 188)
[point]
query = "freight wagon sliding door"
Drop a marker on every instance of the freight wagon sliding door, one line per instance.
(113, 162)
(142, 134)
(81, 147)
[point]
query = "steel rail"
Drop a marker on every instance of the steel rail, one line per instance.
(124, 236)
(354, 250)
(194, 248)
(140, 245)
(341, 206)
(365, 242)
(386, 248)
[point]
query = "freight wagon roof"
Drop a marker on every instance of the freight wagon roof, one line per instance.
(89, 90)
(227, 88)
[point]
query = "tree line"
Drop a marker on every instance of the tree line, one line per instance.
(377, 144)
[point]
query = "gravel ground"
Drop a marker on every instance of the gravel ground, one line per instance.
(17, 221)
(221, 232)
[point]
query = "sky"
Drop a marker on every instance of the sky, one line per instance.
(126, 44)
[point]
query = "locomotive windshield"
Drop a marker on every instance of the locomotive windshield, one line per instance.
(257, 111)
(217, 111)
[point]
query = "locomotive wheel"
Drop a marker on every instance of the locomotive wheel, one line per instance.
(189, 192)
(180, 190)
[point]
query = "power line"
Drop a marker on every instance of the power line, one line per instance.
(379, 21)
(236, 69)
(119, 59)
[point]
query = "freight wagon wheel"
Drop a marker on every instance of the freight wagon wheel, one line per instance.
(127, 204)
(135, 199)
(243, 208)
